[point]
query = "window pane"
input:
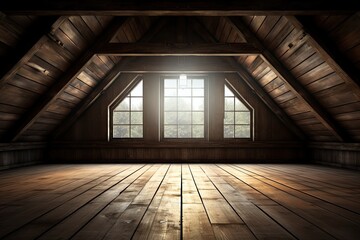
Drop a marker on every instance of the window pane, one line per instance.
(198, 118)
(242, 117)
(198, 83)
(184, 104)
(239, 106)
(138, 90)
(229, 103)
(122, 131)
(184, 92)
(136, 118)
(229, 118)
(170, 118)
(136, 104)
(198, 104)
(242, 131)
(228, 92)
(170, 83)
(198, 92)
(124, 105)
(228, 131)
(184, 131)
(121, 118)
(170, 104)
(198, 131)
(170, 92)
(184, 118)
(136, 131)
(170, 131)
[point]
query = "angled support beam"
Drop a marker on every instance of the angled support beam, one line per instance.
(264, 96)
(180, 49)
(177, 8)
(254, 85)
(30, 43)
(321, 114)
(53, 93)
(329, 53)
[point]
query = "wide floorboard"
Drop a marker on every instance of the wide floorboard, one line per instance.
(179, 201)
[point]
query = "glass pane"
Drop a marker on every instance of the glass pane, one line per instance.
(184, 83)
(184, 131)
(121, 118)
(170, 92)
(184, 104)
(136, 131)
(198, 83)
(198, 92)
(228, 92)
(170, 118)
(242, 131)
(170, 104)
(136, 104)
(136, 118)
(138, 90)
(124, 105)
(170, 83)
(170, 131)
(198, 104)
(239, 106)
(229, 118)
(184, 92)
(229, 103)
(198, 118)
(121, 131)
(184, 118)
(242, 117)
(228, 131)
(198, 131)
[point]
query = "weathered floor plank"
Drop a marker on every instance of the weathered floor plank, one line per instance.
(179, 201)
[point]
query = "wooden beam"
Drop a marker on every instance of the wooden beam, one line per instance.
(253, 84)
(32, 40)
(176, 7)
(177, 49)
(292, 83)
(267, 100)
(342, 66)
(51, 95)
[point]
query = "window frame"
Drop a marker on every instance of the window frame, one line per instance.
(206, 108)
(250, 108)
(116, 102)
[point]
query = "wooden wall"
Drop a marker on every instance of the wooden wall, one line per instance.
(20, 154)
(345, 155)
(87, 139)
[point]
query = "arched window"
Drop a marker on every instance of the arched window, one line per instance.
(237, 116)
(127, 115)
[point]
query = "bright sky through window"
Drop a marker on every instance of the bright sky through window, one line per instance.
(128, 115)
(184, 108)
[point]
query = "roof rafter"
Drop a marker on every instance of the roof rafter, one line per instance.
(180, 49)
(175, 7)
(336, 60)
(254, 85)
(51, 95)
(321, 114)
(31, 42)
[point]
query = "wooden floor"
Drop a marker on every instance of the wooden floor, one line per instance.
(174, 201)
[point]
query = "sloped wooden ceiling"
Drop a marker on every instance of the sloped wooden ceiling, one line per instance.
(305, 68)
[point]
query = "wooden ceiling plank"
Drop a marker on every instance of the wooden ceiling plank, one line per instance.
(176, 8)
(47, 99)
(179, 49)
(321, 114)
(329, 53)
(31, 42)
